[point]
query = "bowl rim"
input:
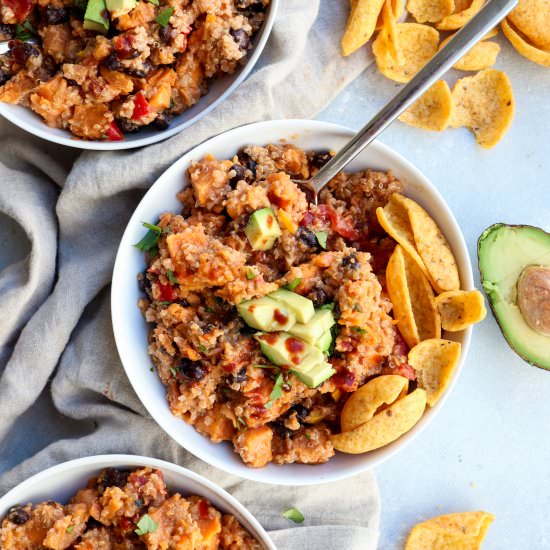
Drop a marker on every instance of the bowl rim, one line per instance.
(45, 132)
(98, 462)
(291, 127)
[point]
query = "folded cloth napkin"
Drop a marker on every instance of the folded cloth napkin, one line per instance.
(63, 393)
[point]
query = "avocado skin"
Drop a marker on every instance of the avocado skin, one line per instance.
(498, 227)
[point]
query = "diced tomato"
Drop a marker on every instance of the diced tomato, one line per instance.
(342, 226)
(307, 220)
(203, 509)
(404, 369)
(141, 106)
(114, 133)
(124, 46)
(20, 8)
(166, 293)
(400, 347)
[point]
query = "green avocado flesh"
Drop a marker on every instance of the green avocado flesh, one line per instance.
(266, 314)
(120, 7)
(95, 18)
(262, 229)
(504, 252)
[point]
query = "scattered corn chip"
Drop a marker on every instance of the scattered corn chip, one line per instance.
(433, 248)
(462, 531)
(389, 23)
(542, 57)
(481, 56)
(412, 298)
(434, 362)
(432, 111)
(384, 427)
(485, 104)
(416, 45)
(458, 19)
(532, 19)
(459, 309)
(363, 403)
(361, 24)
(430, 11)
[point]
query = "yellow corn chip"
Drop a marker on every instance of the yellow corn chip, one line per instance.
(432, 111)
(361, 24)
(459, 19)
(433, 248)
(461, 531)
(384, 427)
(481, 56)
(430, 11)
(434, 362)
(412, 298)
(485, 104)
(532, 18)
(416, 45)
(542, 57)
(459, 309)
(363, 403)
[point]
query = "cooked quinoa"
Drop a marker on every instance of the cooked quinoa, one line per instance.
(203, 266)
(124, 510)
(154, 62)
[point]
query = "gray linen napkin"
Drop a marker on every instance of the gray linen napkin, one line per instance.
(63, 393)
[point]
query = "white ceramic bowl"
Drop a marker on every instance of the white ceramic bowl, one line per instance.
(131, 330)
(219, 89)
(61, 482)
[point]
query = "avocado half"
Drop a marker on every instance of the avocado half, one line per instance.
(504, 253)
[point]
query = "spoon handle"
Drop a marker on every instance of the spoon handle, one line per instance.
(487, 18)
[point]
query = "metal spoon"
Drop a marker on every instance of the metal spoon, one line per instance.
(488, 17)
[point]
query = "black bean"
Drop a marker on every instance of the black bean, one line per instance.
(300, 410)
(252, 6)
(191, 370)
(320, 158)
(239, 175)
(241, 38)
(162, 121)
(112, 63)
(280, 429)
(165, 33)
(239, 378)
(6, 31)
(49, 66)
(318, 296)
(247, 162)
(144, 283)
(54, 16)
(21, 51)
(126, 126)
(183, 303)
(112, 477)
(351, 261)
(18, 515)
(71, 82)
(4, 77)
(307, 237)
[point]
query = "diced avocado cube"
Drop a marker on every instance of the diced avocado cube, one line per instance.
(301, 307)
(96, 17)
(315, 376)
(120, 7)
(284, 349)
(262, 229)
(325, 341)
(266, 314)
(312, 331)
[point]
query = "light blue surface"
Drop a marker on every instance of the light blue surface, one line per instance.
(489, 448)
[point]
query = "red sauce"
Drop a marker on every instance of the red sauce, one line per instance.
(307, 220)
(281, 318)
(269, 221)
(124, 45)
(203, 509)
(126, 524)
(166, 293)
(344, 379)
(278, 201)
(20, 8)
(251, 308)
(270, 338)
(294, 345)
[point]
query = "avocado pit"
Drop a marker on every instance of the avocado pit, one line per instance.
(534, 298)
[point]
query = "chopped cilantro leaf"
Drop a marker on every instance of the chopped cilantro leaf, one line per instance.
(163, 303)
(322, 237)
(164, 16)
(81, 4)
(150, 239)
(265, 366)
(241, 421)
(308, 435)
(209, 309)
(69, 529)
(24, 31)
(294, 514)
(154, 2)
(293, 284)
(329, 306)
(276, 392)
(146, 525)
(202, 348)
(250, 274)
(151, 369)
(172, 277)
(173, 371)
(359, 330)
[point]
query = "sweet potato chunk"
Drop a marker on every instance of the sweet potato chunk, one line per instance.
(91, 121)
(254, 446)
(54, 100)
(18, 88)
(141, 14)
